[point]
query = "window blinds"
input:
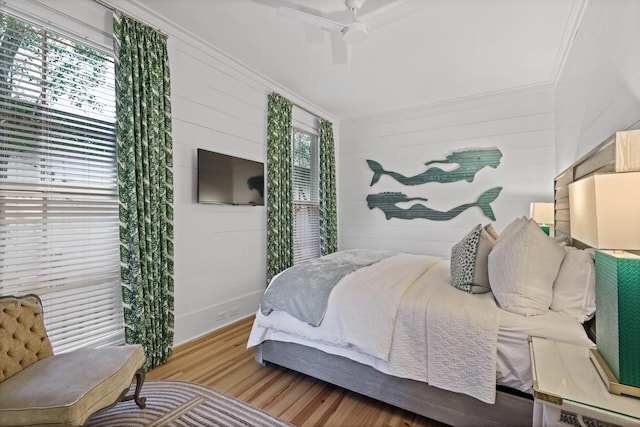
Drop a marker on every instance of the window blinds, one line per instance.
(306, 209)
(58, 184)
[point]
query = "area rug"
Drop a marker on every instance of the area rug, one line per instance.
(176, 403)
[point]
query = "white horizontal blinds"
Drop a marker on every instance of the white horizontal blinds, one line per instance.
(58, 184)
(306, 209)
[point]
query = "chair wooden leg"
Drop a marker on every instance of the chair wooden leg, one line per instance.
(140, 401)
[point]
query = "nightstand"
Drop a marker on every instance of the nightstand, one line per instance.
(569, 392)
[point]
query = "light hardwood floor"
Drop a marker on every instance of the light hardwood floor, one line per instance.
(221, 361)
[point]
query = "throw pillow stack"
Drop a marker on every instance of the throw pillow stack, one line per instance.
(528, 272)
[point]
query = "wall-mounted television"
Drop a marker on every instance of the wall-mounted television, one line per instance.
(224, 179)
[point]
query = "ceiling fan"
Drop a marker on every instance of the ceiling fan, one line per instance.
(354, 32)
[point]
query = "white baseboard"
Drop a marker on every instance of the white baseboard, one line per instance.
(192, 325)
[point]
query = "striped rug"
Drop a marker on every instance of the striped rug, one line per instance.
(175, 403)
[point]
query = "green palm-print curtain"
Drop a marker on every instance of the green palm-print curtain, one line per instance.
(279, 191)
(328, 215)
(145, 185)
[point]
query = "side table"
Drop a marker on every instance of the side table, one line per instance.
(568, 390)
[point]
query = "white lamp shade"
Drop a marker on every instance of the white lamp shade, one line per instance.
(605, 211)
(542, 213)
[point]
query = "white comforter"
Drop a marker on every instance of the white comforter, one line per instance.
(419, 330)
(358, 318)
(462, 340)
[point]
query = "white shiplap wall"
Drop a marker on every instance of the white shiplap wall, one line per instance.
(219, 105)
(598, 92)
(219, 250)
(519, 123)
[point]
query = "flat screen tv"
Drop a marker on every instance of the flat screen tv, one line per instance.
(224, 179)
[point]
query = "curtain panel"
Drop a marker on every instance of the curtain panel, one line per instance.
(328, 211)
(279, 188)
(145, 185)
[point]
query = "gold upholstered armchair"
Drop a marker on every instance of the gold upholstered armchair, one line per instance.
(40, 388)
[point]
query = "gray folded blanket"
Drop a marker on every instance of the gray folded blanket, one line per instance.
(303, 290)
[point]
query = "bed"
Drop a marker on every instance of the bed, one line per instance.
(409, 379)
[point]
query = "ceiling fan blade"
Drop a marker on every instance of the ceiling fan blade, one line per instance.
(313, 33)
(340, 51)
(310, 18)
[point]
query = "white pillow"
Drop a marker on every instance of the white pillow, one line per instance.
(574, 291)
(523, 265)
(492, 231)
(511, 228)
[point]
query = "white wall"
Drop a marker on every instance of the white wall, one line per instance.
(220, 258)
(219, 105)
(598, 92)
(520, 124)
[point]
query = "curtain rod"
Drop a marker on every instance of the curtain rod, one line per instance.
(113, 9)
(295, 104)
(305, 109)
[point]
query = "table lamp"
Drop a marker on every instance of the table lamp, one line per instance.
(543, 214)
(604, 213)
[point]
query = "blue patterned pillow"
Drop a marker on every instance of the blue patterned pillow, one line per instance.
(469, 261)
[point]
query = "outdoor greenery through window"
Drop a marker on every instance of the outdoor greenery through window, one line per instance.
(306, 209)
(58, 187)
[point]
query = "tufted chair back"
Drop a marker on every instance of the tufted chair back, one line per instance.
(23, 337)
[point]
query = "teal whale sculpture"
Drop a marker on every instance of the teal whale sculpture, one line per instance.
(470, 161)
(387, 203)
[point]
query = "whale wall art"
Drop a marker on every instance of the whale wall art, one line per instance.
(469, 162)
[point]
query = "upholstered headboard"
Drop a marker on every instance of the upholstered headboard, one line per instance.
(619, 153)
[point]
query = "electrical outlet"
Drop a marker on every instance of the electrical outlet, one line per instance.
(233, 312)
(221, 316)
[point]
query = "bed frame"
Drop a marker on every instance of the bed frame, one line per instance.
(619, 153)
(432, 402)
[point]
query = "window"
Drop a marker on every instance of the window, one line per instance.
(58, 183)
(306, 208)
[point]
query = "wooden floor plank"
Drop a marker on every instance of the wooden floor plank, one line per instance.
(220, 360)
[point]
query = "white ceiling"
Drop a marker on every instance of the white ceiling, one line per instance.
(420, 52)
